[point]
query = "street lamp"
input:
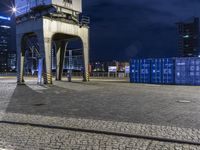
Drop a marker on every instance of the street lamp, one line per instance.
(14, 9)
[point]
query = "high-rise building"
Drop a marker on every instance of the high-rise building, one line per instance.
(7, 52)
(188, 40)
(5, 39)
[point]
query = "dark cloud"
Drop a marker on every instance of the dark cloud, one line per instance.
(140, 28)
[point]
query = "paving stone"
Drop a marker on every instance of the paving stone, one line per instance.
(109, 107)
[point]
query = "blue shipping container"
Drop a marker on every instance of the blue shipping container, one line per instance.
(156, 71)
(168, 71)
(197, 72)
(194, 71)
(145, 71)
(188, 71)
(135, 71)
(182, 71)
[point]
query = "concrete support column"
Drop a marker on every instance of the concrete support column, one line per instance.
(45, 45)
(85, 40)
(48, 59)
(58, 52)
(20, 59)
(60, 59)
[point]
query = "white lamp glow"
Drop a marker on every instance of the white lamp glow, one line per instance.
(14, 9)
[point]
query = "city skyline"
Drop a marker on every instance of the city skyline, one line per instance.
(145, 29)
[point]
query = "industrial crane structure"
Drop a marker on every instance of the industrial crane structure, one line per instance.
(44, 24)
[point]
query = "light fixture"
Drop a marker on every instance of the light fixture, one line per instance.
(14, 9)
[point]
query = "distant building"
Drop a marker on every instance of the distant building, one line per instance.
(98, 66)
(103, 66)
(12, 61)
(7, 53)
(188, 42)
(5, 38)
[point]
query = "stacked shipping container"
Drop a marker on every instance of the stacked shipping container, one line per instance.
(168, 71)
(181, 71)
(156, 71)
(187, 71)
(145, 71)
(135, 70)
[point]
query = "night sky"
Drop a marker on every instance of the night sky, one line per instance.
(121, 29)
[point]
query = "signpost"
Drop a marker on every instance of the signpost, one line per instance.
(112, 69)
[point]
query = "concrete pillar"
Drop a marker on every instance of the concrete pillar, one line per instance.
(45, 45)
(60, 59)
(58, 51)
(20, 58)
(85, 41)
(48, 69)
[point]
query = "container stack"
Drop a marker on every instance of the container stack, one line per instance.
(135, 68)
(168, 71)
(180, 71)
(145, 72)
(187, 71)
(156, 71)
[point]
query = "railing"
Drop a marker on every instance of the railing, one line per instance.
(12, 74)
(76, 63)
(85, 20)
(75, 74)
(109, 75)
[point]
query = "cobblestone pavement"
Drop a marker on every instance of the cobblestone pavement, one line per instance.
(98, 115)
(34, 138)
(121, 102)
(135, 129)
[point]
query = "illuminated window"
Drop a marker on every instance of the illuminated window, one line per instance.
(186, 36)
